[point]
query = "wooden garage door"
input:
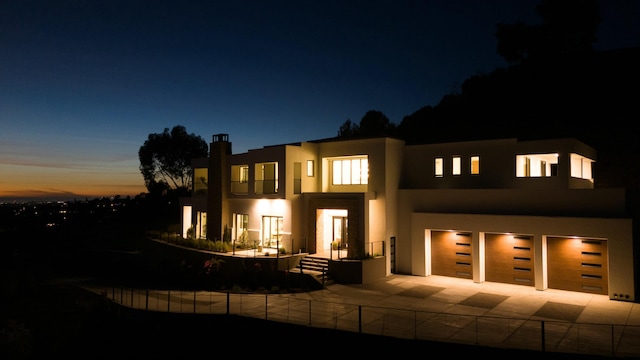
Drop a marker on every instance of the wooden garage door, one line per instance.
(451, 254)
(578, 265)
(509, 259)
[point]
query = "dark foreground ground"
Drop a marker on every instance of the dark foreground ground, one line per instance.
(41, 320)
(72, 323)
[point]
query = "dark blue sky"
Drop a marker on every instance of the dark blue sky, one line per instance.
(83, 83)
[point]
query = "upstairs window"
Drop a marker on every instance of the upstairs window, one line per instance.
(475, 165)
(456, 168)
(297, 178)
(351, 171)
(439, 167)
(266, 178)
(310, 168)
(537, 165)
(581, 167)
(200, 181)
(243, 176)
(239, 179)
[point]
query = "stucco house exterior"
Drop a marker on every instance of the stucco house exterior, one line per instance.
(505, 210)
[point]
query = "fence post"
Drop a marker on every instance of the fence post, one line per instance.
(613, 346)
(194, 301)
(227, 303)
(146, 302)
(168, 300)
(266, 313)
(360, 318)
(542, 329)
(477, 342)
(131, 297)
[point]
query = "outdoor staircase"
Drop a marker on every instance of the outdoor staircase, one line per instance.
(316, 266)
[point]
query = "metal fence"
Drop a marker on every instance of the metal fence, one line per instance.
(497, 332)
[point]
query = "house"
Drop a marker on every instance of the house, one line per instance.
(505, 210)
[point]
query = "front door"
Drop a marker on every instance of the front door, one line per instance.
(341, 231)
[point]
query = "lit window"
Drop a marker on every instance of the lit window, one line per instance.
(243, 176)
(537, 165)
(581, 167)
(351, 171)
(266, 178)
(200, 181)
(456, 166)
(439, 170)
(310, 167)
(475, 165)
(240, 179)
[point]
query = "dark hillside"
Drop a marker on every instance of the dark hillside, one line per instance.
(593, 99)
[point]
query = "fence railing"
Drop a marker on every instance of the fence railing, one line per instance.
(497, 332)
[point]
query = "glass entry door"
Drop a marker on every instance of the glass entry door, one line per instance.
(341, 231)
(272, 231)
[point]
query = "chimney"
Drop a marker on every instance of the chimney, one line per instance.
(219, 182)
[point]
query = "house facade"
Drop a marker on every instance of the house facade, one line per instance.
(519, 212)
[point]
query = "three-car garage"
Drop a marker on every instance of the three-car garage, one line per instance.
(579, 254)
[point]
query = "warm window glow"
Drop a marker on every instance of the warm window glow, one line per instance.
(200, 181)
(240, 173)
(244, 174)
(354, 171)
(456, 168)
(266, 178)
(186, 220)
(537, 165)
(581, 167)
(475, 165)
(310, 167)
(241, 228)
(439, 170)
(240, 179)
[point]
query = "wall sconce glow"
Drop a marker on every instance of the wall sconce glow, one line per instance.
(274, 206)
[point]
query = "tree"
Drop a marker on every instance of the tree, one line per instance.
(348, 129)
(373, 123)
(165, 159)
(376, 123)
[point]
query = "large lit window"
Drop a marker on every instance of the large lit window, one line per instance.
(266, 178)
(200, 181)
(537, 165)
(352, 171)
(455, 166)
(581, 167)
(439, 167)
(272, 231)
(201, 225)
(475, 165)
(240, 179)
(241, 228)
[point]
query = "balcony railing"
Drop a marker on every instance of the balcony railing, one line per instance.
(240, 188)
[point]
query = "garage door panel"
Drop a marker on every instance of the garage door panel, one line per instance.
(509, 259)
(578, 265)
(451, 255)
